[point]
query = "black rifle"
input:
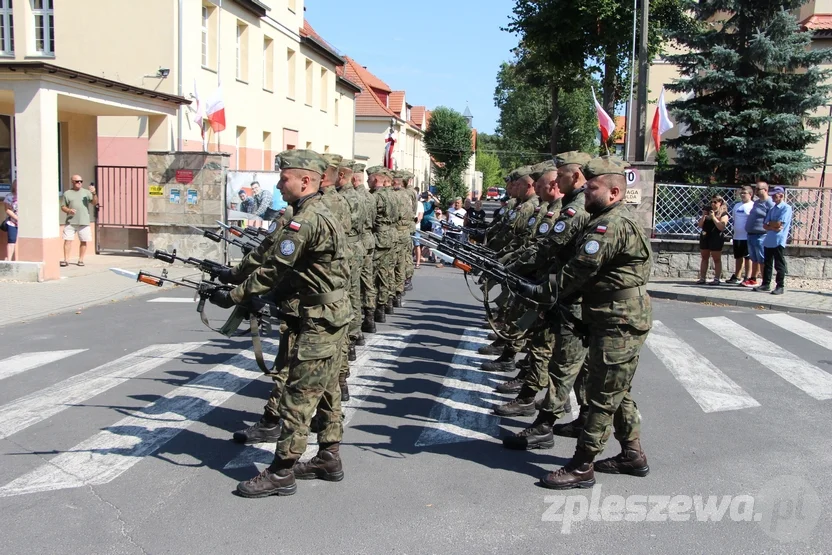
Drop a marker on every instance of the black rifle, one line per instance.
(213, 269)
(217, 238)
(253, 234)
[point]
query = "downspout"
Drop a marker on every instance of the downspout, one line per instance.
(181, 112)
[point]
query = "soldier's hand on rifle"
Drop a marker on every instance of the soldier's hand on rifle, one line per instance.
(534, 291)
(222, 298)
(225, 275)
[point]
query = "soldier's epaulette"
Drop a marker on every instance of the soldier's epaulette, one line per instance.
(571, 211)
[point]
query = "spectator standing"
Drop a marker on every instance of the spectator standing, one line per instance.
(10, 222)
(456, 217)
(438, 230)
(712, 239)
(777, 224)
(742, 263)
(76, 204)
(756, 232)
(417, 244)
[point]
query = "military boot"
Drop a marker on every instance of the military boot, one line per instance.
(523, 363)
(345, 389)
(495, 348)
(280, 481)
(397, 300)
(578, 473)
(369, 324)
(517, 407)
(574, 428)
(492, 336)
(265, 431)
(326, 465)
(631, 460)
(537, 436)
(512, 386)
(389, 308)
(408, 284)
(503, 364)
(380, 317)
(351, 356)
(359, 340)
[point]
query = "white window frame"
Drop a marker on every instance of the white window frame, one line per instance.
(206, 35)
(7, 23)
(48, 14)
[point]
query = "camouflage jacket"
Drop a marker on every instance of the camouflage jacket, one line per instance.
(610, 269)
(370, 217)
(521, 223)
(255, 258)
(495, 236)
(559, 246)
(546, 216)
(308, 261)
(406, 216)
(387, 218)
(357, 211)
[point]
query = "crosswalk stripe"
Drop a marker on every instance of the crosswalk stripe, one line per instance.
(813, 333)
(707, 384)
(458, 414)
(806, 377)
(172, 300)
(46, 403)
(18, 364)
(373, 359)
(107, 455)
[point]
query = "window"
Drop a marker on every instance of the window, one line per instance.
(206, 18)
(335, 112)
(309, 82)
(268, 64)
(308, 145)
(240, 148)
(6, 28)
(242, 52)
(324, 89)
(44, 27)
(209, 37)
(290, 77)
(267, 151)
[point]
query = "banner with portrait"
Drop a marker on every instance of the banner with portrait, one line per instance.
(252, 197)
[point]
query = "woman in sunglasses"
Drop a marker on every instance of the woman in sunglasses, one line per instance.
(712, 238)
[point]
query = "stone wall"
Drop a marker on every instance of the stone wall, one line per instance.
(643, 190)
(186, 189)
(680, 259)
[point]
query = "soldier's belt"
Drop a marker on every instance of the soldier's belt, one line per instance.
(321, 298)
(611, 296)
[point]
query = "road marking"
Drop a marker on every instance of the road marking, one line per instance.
(806, 377)
(40, 405)
(172, 300)
(813, 333)
(379, 355)
(27, 361)
(707, 384)
(107, 455)
(458, 414)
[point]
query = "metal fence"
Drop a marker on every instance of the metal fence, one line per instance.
(679, 207)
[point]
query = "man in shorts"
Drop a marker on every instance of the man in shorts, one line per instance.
(76, 203)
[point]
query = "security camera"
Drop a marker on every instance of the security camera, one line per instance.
(163, 72)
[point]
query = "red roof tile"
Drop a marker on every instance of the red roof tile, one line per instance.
(367, 103)
(368, 78)
(397, 102)
(818, 22)
(417, 115)
(308, 31)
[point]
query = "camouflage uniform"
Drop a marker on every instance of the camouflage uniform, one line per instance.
(308, 261)
(386, 235)
(354, 239)
(368, 285)
(414, 202)
(404, 246)
(254, 259)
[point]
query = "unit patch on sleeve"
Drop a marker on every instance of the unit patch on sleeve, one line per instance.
(544, 227)
(560, 226)
(592, 247)
(287, 247)
(532, 220)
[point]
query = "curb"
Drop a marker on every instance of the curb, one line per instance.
(693, 298)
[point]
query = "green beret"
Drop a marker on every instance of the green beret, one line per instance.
(301, 159)
(572, 157)
(348, 164)
(399, 174)
(386, 172)
(605, 165)
(539, 169)
(523, 171)
(375, 169)
(358, 167)
(334, 160)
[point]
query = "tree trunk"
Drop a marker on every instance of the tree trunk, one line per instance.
(555, 92)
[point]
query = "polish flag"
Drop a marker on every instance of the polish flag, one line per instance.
(215, 111)
(199, 111)
(661, 121)
(389, 143)
(605, 122)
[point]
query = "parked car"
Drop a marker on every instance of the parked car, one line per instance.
(492, 194)
(680, 228)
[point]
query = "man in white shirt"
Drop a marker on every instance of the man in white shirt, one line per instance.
(740, 215)
(456, 217)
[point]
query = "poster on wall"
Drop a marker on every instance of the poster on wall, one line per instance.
(252, 197)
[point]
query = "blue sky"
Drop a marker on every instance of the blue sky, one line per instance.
(441, 53)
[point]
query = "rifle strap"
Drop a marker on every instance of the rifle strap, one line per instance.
(254, 320)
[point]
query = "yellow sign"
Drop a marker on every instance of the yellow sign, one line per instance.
(633, 196)
(157, 191)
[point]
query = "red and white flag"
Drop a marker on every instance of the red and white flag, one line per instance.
(389, 143)
(661, 121)
(215, 111)
(605, 122)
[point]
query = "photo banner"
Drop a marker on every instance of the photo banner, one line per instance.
(252, 197)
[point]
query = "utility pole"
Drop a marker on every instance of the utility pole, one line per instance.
(643, 69)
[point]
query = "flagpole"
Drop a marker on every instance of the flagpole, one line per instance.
(628, 125)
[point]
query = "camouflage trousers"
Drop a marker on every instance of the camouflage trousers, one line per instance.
(383, 262)
(368, 280)
(288, 338)
(410, 267)
(613, 359)
(536, 376)
(403, 247)
(356, 262)
(567, 371)
(311, 386)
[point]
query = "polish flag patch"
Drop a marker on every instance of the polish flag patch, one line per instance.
(571, 211)
(550, 214)
(537, 209)
(601, 229)
(294, 226)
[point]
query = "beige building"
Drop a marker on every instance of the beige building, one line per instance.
(78, 92)
(815, 15)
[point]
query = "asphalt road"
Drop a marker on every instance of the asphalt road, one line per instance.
(115, 429)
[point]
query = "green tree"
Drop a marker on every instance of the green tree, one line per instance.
(756, 86)
(448, 140)
(489, 165)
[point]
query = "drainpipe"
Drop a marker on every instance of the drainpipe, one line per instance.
(181, 112)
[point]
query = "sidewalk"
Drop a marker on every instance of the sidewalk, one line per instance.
(82, 287)
(793, 300)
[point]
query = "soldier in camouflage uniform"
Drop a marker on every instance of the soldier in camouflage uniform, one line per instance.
(308, 266)
(354, 240)
(495, 229)
(386, 235)
(404, 227)
(368, 286)
(414, 202)
(610, 270)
